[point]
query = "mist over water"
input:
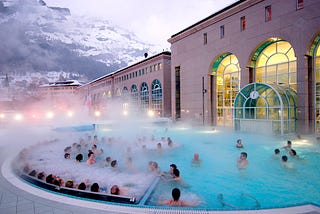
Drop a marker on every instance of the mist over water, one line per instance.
(265, 178)
(120, 137)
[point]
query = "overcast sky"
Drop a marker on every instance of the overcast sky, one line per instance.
(152, 21)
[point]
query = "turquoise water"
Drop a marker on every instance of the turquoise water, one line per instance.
(216, 183)
(265, 183)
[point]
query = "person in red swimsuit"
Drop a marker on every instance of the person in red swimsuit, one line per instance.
(175, 201)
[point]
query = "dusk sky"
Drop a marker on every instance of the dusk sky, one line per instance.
(152, 21)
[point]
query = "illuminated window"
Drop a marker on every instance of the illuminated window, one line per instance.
(125, 93)
(134, 95)
(144, 96)
(316, 62)
(227, 87)
(156, 96)
(243, 23)
(205, 38)
(299, 4)
(221, 31)
(268, 14)
(276, 64)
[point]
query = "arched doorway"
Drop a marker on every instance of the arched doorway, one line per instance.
(226, 70)
(267, 108)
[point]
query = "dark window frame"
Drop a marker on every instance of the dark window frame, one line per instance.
(299, 4)
(221, 31)
(243, 23)
(268, 13)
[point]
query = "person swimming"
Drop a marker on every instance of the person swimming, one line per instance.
(116, 190)
(242, 161)
(175, 201)
(285, 163)
(196, 161)
(79, 158)
(276, 154)
(288, 146)
(91, 159)
(239, 144)
(95, 187)
(293, 153)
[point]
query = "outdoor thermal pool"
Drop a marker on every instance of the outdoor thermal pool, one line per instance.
(215, 184)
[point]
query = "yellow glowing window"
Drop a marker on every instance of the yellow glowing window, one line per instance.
(276, 64)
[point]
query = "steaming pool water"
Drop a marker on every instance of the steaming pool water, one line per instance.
(216, 183)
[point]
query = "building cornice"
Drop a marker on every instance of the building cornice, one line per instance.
(214, 18)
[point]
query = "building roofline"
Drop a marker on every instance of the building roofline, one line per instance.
(167, 53)
(209, 17)
(62, 83)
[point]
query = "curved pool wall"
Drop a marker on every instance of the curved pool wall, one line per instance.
(141, 205)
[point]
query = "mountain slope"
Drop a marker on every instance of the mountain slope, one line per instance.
(38, 38)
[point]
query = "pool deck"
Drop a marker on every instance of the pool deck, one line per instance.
(17, 197)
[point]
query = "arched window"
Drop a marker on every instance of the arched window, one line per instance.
(118, 93)
(109, 94)
(125, 93)
(227, 71)
(156, 96)
(144, 96)
(125, 99)
(134, 96)
(276, 63)
(315, 49)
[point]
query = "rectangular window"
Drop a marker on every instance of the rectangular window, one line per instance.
(178, 101)
(268, 14)
(205, 38)
(221, 31)
(243, 23)
(299, 4)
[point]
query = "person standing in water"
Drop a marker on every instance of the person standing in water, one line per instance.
(242, 161)
(196, 161)
(239, 144)
(175, 201)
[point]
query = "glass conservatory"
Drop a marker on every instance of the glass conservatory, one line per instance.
(265, 108)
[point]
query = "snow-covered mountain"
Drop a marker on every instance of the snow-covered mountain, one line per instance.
(42, 39)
